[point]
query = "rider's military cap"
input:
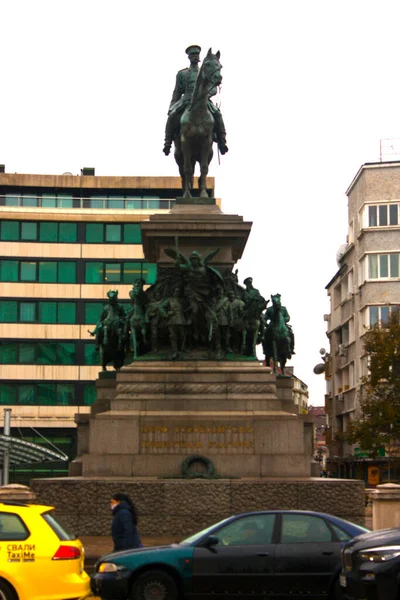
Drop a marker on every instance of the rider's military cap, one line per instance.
(248, 280)
(193, 49)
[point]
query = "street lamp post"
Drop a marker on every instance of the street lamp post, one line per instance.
(6, 461)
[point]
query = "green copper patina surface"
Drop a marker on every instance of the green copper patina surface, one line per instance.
(194, 122)
(193, 312)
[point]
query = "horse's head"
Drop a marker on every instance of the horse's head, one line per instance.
(276, 301)
(211, 69)
(112, 296)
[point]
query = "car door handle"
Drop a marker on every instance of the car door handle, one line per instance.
(262, 554)
(328, 553)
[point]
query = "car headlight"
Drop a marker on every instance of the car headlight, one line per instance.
(107, 567)
(381, 554)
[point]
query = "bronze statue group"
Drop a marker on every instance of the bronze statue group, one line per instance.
(194, 312)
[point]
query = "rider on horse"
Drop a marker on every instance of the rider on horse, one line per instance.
(181, 97)
(269, 313)
(112, 318)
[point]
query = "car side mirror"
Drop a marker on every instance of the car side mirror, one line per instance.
(211, 541)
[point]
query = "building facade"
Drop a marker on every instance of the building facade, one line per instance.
(362, 292)
(65, 242)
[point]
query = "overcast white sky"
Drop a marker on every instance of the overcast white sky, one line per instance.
(310, 88)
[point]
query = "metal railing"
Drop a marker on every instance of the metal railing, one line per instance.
(77, 202)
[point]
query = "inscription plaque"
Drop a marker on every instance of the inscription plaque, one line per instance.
(207, 438)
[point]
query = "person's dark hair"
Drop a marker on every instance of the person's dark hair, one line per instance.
(120, 497)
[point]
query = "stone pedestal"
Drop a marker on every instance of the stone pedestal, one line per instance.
(154, 414)
(226, 411)
(386, 506)
(195, 229)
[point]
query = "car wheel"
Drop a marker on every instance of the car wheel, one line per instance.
(154, 585)
(6, 592)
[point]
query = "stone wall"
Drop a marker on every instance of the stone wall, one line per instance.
(181, 507)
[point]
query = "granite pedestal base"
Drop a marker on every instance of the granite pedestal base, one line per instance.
(229, 412)
(179, 508)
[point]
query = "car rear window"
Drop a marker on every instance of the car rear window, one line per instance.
(58, 529)
(12, 527)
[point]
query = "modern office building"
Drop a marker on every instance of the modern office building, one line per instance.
(362, 292)
(65, 241)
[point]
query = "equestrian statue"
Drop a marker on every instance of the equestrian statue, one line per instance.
(278, 339)
(194, 122)
(109, 333)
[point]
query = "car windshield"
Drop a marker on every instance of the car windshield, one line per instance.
(196, 536)
(58, 529)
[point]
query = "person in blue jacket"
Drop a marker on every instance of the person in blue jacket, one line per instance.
(124, 529)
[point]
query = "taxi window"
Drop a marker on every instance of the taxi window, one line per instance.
(12, 527)
(58, 529)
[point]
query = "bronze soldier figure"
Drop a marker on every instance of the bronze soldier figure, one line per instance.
(181, 97)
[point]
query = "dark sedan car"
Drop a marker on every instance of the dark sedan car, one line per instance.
(281, 554)
(371, 566)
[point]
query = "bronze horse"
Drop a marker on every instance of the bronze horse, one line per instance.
(276, 342)
(194, 141)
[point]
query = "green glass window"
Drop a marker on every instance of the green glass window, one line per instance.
(28, 231)
(27, 312)
(8, 353)
(12, 199)
(48, 272)
(112, 272)
(26, 394)
(66, 353)
(65, 201)
(93, 311)
(27, 353)
(67, 232)
(94, 272)
(67, 272)
(132, 233)
(47, 312)
(8, 393)
(9, 231)
(94, 233)
(116, 202)
(89, 394)
(48, 232)
(96, 202)
(153, 203)
(46, 353)
(29, 200)
(66, 312)
(113, 233)
(65, 394)
(91, 356)
(149, 272)
(8, 311)
(9, 270)
(132, 203)
(49, 201)
(132, 271)
(45, 394)
(28, 271)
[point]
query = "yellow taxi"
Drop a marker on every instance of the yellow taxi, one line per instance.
(39, 559)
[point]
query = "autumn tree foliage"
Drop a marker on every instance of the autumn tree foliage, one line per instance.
(378, 423)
